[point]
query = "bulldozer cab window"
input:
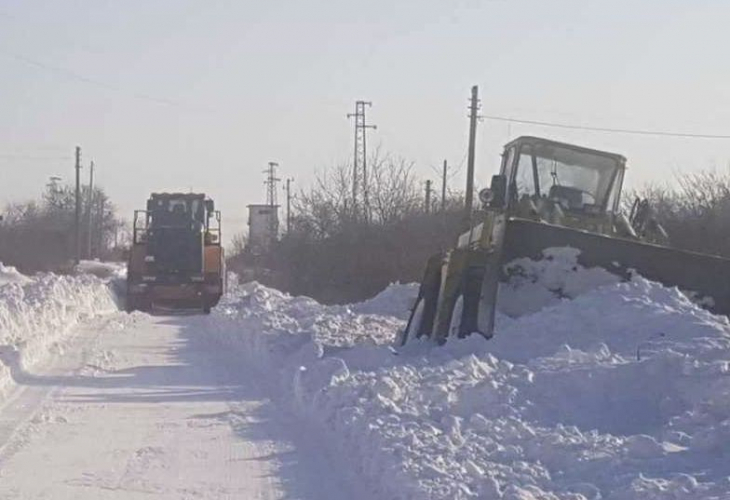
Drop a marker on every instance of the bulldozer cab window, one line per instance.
(508, 164)
(177, 206)
(178, 212)
(198, 211)
(524, 181)
(579, 181)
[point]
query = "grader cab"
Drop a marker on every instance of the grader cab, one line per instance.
(550, 194)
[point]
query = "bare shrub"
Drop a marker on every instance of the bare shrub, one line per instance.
(335, 254)
(40, 235)
(696, 214)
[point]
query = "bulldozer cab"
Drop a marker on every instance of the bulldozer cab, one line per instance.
(176, 228)
(178, 211)
(556, 182)
(176, 258)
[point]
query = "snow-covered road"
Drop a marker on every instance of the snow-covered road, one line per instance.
(136, 406)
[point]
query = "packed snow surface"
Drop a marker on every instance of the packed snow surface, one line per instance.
(137, 406)
(591, 389)
(622, 392)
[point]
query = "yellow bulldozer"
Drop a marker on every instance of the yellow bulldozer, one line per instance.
(176, 259)
(551, 194)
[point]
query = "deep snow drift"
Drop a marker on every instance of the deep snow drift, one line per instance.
(37, 312)
(590, 389)
(621, 393)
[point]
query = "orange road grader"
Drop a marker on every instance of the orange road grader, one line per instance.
(176, 260)
(550, 194)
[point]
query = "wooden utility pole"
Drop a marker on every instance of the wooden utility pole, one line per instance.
(428, 196)
(100, 231)
(77, 218)
(90, 210)
(443, 187)
(288, 205)
(473, 117)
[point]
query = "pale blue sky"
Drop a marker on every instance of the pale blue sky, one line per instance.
(203, 94)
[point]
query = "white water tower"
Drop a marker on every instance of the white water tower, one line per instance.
(263, 227)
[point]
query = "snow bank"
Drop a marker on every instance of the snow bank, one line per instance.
(8, 274)
(102, 269)
(621, 393)
(35, 313)
(396, 300)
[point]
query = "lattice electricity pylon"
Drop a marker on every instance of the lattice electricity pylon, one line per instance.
(271, 180)
(360, 188)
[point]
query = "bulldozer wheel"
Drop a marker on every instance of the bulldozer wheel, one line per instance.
(457, 318)
(130, 304)
(413, 327)
(465, 311)
(137, 303)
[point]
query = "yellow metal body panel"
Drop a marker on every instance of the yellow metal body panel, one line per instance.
(213, 258)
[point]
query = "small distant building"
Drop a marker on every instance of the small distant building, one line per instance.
(263, 227)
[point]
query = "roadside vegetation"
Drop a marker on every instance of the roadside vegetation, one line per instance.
(332, 253)
(695, 211)
(39, 235)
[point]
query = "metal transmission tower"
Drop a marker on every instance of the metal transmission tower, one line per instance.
(359, 161)
(271, 181)
(272, 202)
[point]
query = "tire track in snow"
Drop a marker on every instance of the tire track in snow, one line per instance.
(27, 404)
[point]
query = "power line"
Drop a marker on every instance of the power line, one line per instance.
(458, 167)
(606, 129)
(33, 158)
(13, 149)
(169, 102)
(91, 81)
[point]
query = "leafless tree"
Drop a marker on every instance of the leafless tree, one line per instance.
(393, 192)
(39, 235)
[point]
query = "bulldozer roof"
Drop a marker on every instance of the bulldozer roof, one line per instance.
(539, 141)
(190, 196)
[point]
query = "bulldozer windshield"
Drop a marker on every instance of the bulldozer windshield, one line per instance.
(178, 212)
(579, 180)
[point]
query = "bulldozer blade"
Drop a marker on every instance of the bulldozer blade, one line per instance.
(708, 276)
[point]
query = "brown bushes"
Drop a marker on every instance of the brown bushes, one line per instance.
(335, 253)
(696, 213)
